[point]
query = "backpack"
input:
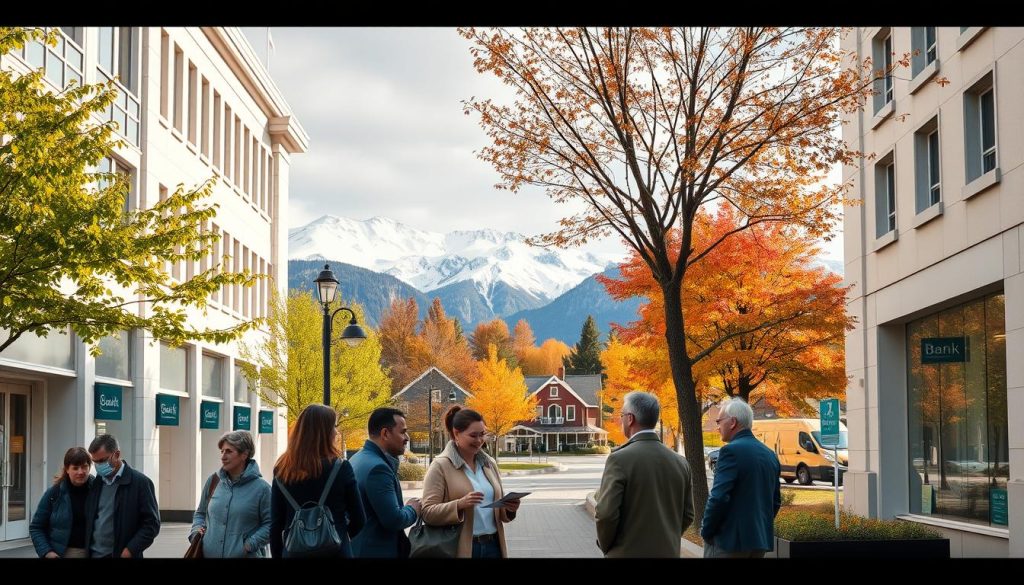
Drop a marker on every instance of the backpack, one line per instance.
(312, 532)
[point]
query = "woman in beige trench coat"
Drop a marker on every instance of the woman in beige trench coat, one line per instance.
(461, 480)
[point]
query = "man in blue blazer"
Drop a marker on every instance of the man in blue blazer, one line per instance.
(739, 520)
(376, 469)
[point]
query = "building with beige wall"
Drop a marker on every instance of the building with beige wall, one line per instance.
(194, 103)
(935, 254)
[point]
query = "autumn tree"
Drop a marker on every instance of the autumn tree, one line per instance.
(647, 127)
(494, 333)
(546, 359)
(287, 367)
(780, 319)
(72, 254)
(445, 347)
(523, 340)
(499, 395)
(585, 357)
(634, 366)
(403, 351)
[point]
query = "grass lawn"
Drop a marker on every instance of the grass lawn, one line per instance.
(519, 466)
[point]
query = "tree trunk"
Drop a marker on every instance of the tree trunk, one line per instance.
(686, 395)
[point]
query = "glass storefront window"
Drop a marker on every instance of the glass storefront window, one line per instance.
(959, 456)
(56, 349)
(213, 376)
(115, 361)
(173, 368)
(241, 385)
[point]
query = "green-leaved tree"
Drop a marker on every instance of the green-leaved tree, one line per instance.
(287, 366)
(71, 254)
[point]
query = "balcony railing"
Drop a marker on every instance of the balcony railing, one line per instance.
(551, 420)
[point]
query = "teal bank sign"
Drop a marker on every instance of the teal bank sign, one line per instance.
(167, 410)
(108, 402)
(266, 421)
(944, 350)
(209, 415)
(243, 418)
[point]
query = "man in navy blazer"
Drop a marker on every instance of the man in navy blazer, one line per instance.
(739, 520)
(376, 469)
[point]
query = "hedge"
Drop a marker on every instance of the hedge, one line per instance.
(804, 523)
(411, 471)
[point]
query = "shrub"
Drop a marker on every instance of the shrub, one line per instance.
(411, 472)
(712, 439)
(805, 523)
(787, 497)
(412, 457)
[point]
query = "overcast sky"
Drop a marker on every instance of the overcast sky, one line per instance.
(382, 107)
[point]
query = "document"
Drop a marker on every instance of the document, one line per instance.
(506, 499)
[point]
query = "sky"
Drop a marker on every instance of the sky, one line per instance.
(388, 137)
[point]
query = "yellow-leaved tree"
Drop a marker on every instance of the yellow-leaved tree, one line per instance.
(499, 394)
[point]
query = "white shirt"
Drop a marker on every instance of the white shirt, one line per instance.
(483, 518)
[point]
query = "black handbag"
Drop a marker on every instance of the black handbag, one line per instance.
(434, 542)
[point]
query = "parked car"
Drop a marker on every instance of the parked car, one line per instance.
(712, 459)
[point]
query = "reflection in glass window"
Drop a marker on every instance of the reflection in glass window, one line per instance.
(173, 368)
(959, 456)
(213, 375)
(241, 385)
(114, 362)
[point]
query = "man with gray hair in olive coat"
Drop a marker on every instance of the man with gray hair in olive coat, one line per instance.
(645, 501)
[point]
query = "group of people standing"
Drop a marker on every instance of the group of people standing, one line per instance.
(643, 506)
(645, 502)
(239, 514)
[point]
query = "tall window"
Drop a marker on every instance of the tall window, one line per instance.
(554, 411)
(112, 165)
(115, 361)
(570, 412)
(117, 54)
(881, 55)
(62, 63)
(241, 390)
(925, 49)
(927, 169)
(885, 196)
(957, 416)
(173, 368)
(213, 376)
(980, 155)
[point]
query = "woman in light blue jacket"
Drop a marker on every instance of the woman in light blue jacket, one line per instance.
(58, 525)
(236, 521)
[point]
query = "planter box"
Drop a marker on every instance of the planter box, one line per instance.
(789, 549)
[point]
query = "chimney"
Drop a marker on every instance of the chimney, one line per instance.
(561, 372)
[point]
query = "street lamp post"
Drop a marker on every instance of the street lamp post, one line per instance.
(344, 450)
(326, 290)
(430, 417)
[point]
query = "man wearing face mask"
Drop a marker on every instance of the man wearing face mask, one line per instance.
(121, 514)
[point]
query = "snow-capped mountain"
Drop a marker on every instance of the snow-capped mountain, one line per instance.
(492, 261)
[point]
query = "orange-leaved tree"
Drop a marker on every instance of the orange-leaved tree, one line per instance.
(494, 332)
(402, 349)
(774, 321)
(499, 394)
(647, 126)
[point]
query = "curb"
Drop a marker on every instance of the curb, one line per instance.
(556, 467)
(687, 550)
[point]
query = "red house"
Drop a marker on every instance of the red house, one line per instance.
(568, 414)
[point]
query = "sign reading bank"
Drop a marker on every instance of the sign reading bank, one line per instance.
(108, 402)
(943, 350)
(167, 410)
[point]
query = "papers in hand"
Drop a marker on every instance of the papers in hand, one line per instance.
(506, 499)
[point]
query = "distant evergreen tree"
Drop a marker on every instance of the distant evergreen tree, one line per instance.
(585, 357)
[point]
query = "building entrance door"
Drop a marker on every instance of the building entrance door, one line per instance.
(13, 461)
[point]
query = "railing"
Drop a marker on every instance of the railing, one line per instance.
(551, 420)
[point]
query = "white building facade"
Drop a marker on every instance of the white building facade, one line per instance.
(935, 254)
(194, 103)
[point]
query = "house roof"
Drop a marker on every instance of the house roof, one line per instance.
(585, 387)
(438, 379)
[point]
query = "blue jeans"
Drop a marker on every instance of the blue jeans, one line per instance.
(488, 550)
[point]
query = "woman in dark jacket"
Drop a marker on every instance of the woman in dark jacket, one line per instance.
(58, 526)
(304, 468)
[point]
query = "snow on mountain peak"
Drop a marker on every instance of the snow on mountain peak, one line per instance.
(431, 260)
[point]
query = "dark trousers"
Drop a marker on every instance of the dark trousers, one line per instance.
(487, 550)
